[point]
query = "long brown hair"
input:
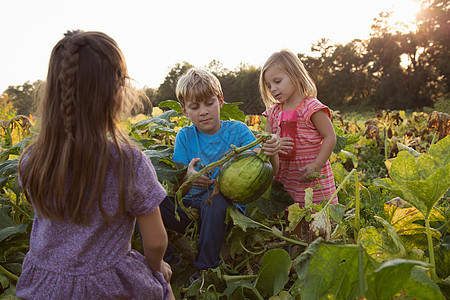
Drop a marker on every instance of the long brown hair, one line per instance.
(63, 170)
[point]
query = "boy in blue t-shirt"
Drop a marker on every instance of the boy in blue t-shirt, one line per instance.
(201, 98)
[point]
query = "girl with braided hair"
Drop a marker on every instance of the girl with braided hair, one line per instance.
(88, 185)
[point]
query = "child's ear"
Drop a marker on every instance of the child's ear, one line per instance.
(221, 101)
(183, 109)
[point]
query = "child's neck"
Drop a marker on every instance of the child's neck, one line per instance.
(293, 104)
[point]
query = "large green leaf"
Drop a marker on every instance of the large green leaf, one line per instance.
(167, 170)
(7, 225)
(156, 129)
(377, 243)
(407, 224)
(295, 215)
(5, 219)
(163, 120)
(329, 271)
(11, 230)
(442, 256)
(239, 290)
(440, 151)
(420, 286)
(427, 166)
(422, 193)
(339, 172)
(4, 281)
(242, 221)
(9, 167)
(172, 104)
(390, 278)
(404, 168)
(428, 191)
(274, 272)
(401, 250)
(421, 181)
(231, 111)
(16, 149)
(340, 143)
(274, 200)
(402, 218)
(238, 239)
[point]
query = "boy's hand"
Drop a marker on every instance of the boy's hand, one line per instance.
(203, 181)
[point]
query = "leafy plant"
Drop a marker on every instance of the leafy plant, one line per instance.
(329, 271)
(15, 214)
(422, 182)
(260, 259)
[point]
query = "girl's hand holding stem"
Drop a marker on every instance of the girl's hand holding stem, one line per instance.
(286, 143)
(272, 146)
(310, 172)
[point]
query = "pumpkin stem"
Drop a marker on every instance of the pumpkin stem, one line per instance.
(262, 156)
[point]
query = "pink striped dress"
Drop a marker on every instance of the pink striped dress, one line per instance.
(308, 144)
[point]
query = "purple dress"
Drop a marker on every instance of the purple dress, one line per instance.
(70, 261)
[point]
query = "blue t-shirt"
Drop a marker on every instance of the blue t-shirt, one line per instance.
(192, 143)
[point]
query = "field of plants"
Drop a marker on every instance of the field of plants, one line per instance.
(388, 238)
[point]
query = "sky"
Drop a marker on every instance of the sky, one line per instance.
(156, 35)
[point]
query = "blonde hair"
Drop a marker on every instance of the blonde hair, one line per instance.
(290, 64)
(63, 171)
(197, 85)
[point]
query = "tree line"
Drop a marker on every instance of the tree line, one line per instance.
(390, 70)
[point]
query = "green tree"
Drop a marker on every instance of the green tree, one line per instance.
(434, 39)
(245, 89)
(166, 91)
(23, 97)
(340, 72)
(400, 86)
(390, 92)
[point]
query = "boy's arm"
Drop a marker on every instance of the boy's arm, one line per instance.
(203, 181)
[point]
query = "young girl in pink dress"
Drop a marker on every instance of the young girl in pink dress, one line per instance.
(286, 86)
(88, 185)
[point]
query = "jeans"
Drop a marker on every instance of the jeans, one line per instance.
(211, 224)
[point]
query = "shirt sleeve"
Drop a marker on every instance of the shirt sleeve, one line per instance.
(269, 114)
(148, 193)
(180, 151)
(245, 133)
(314, 106)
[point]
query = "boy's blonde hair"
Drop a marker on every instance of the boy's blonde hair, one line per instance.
(197, 85)
(290, 64)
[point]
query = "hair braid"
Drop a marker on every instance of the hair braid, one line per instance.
(68, 80)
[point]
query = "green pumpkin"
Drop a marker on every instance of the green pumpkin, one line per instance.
(244, 178)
